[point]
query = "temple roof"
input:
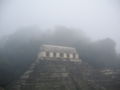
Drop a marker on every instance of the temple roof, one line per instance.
(61, 49)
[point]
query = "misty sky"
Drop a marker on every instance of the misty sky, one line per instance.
(97, 18)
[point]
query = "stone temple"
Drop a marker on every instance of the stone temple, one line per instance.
(56, 68)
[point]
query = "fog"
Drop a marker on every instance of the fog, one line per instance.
(92, 27)
(97, 18)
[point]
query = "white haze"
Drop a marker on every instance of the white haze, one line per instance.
(97, 18)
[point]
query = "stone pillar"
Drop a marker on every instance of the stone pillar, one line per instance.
(51, 55)
(65, 55)
(76, 56)
(42, 54)
(57, 55)
(71, 56)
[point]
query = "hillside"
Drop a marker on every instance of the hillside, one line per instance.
(100, 67)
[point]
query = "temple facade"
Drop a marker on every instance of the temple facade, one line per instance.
(51, 52)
